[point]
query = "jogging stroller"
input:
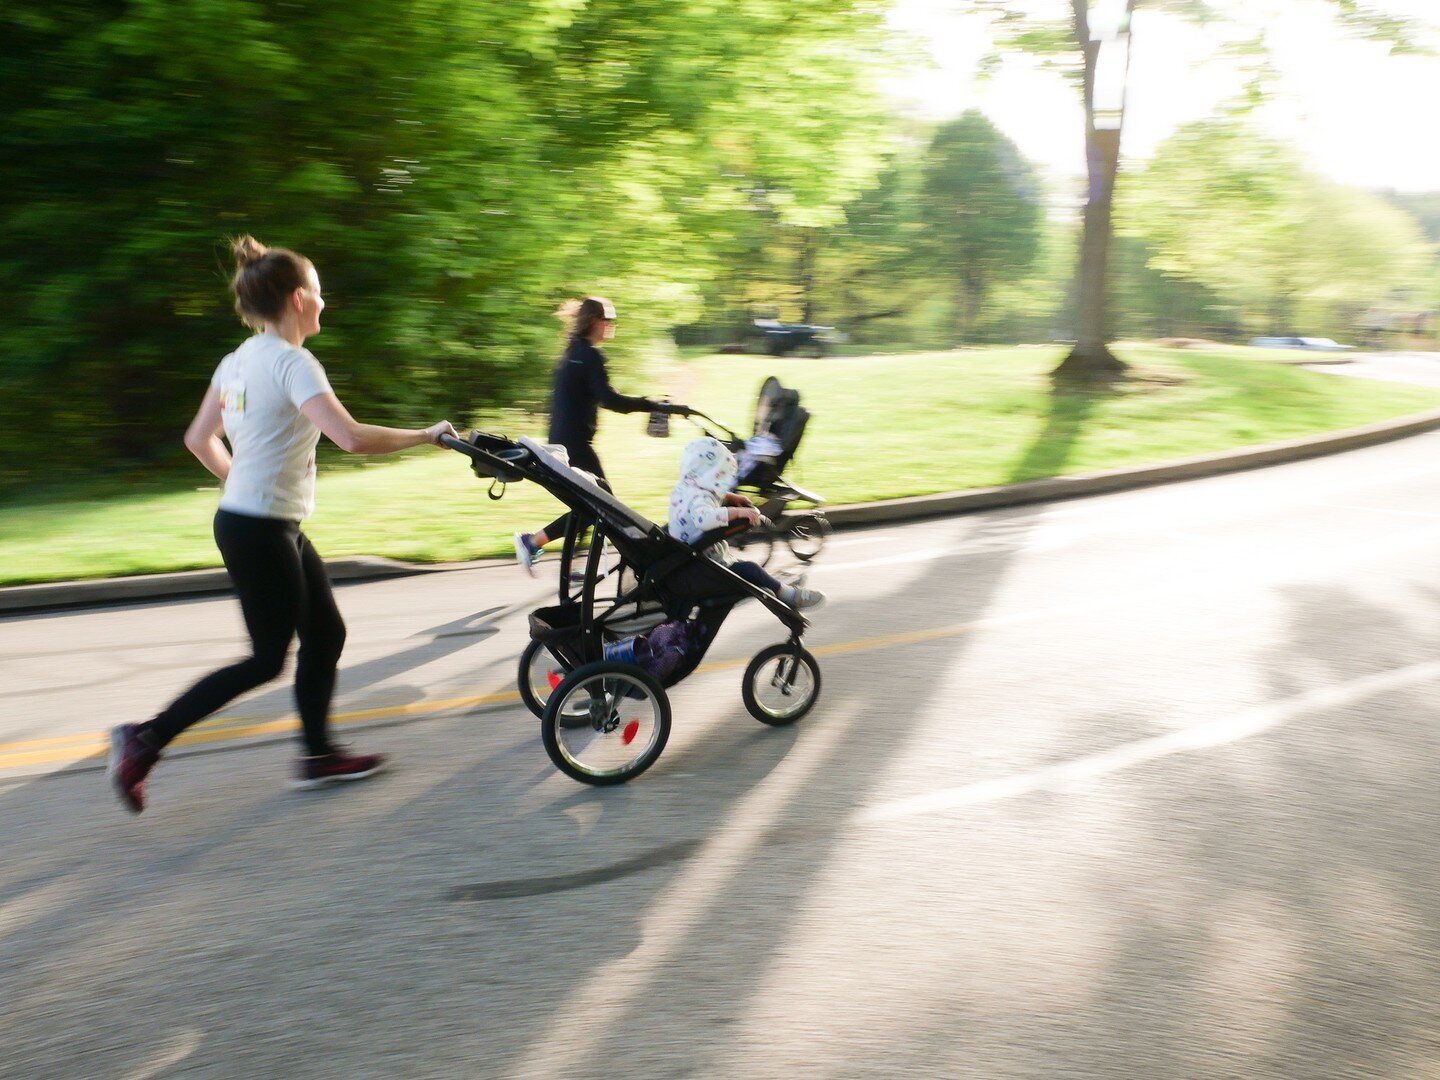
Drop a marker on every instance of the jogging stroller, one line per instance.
(639, 620)
(780, 422)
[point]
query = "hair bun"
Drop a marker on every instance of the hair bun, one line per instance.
(248, 250)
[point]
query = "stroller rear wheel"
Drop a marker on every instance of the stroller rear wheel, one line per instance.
(756, 545)
(806, 534)
(625, 724)
(782, 684)
(540, 673)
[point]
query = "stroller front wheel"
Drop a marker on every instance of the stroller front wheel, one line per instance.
(606, 723)
(781, 685)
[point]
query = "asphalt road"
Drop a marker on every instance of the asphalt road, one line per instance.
(1144, 785)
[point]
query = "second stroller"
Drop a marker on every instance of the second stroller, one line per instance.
(795, 515)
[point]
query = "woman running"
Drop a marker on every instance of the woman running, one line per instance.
(270, 399)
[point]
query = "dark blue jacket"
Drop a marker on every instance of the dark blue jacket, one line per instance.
(582, 387)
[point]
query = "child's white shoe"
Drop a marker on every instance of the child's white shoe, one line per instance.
(803, 599)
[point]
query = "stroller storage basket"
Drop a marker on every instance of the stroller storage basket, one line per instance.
(559, 622)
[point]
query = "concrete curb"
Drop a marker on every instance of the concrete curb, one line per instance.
(65, 594)
(1070, 487)
(58, 594)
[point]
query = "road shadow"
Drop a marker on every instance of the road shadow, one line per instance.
(1261, 907)
(338, 934)
(1067, 410)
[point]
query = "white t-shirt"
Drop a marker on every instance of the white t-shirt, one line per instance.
(262, 385)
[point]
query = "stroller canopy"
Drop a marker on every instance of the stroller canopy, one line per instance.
(778, 413)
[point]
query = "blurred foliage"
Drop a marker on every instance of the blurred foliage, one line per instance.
(454, 170)
(955, 214)
(982, 208)
(870, 280)
(1058, 32)
(1424, 207)
(1224, 235)
(1228, 208)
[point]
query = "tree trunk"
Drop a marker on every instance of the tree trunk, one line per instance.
(1091, 357)
(807, 276)
(968, 300)
(1282, 307)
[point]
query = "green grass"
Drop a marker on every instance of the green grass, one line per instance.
(883, 427)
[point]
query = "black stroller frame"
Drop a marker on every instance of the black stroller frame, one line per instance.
(595, 709)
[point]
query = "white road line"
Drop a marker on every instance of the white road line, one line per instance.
(1377, 510)
(1241, 725)
(914, 555)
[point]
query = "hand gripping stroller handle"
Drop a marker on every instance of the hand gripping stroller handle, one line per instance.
(458, 444)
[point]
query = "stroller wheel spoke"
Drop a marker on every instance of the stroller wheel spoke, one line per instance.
(781, 684)
(806, 534)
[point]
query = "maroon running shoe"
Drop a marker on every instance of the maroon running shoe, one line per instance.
(131, 760)
(336, 767)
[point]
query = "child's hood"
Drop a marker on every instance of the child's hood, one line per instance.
(707, 464)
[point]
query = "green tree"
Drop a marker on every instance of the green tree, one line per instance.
(1149, 302)
(980, 202)
(1091, 39)
(868, 265)
(453, 168)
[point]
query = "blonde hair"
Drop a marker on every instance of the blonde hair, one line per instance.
(578, 316)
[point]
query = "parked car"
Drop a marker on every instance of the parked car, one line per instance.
(774, 338)
(1314, 344)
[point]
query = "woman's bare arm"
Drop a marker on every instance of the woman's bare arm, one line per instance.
(331, 417)
(202, 437)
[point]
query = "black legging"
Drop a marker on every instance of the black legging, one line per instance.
(284, 591)
(582, 456)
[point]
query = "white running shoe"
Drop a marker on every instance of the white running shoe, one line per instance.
(526, 553)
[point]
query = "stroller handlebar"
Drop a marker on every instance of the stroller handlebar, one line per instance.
(490, 455)
(695, 416)
(459, 444)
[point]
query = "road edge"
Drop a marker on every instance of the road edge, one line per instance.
(59, 595)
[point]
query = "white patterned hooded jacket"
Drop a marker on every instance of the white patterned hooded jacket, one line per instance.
(697, 503)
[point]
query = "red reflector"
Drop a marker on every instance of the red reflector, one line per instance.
(553, 678)
(628, 736)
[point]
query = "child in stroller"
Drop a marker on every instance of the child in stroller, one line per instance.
(703, 500)
(780, 422)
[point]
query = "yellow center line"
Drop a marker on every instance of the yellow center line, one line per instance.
(64, 749)
(89, 743)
